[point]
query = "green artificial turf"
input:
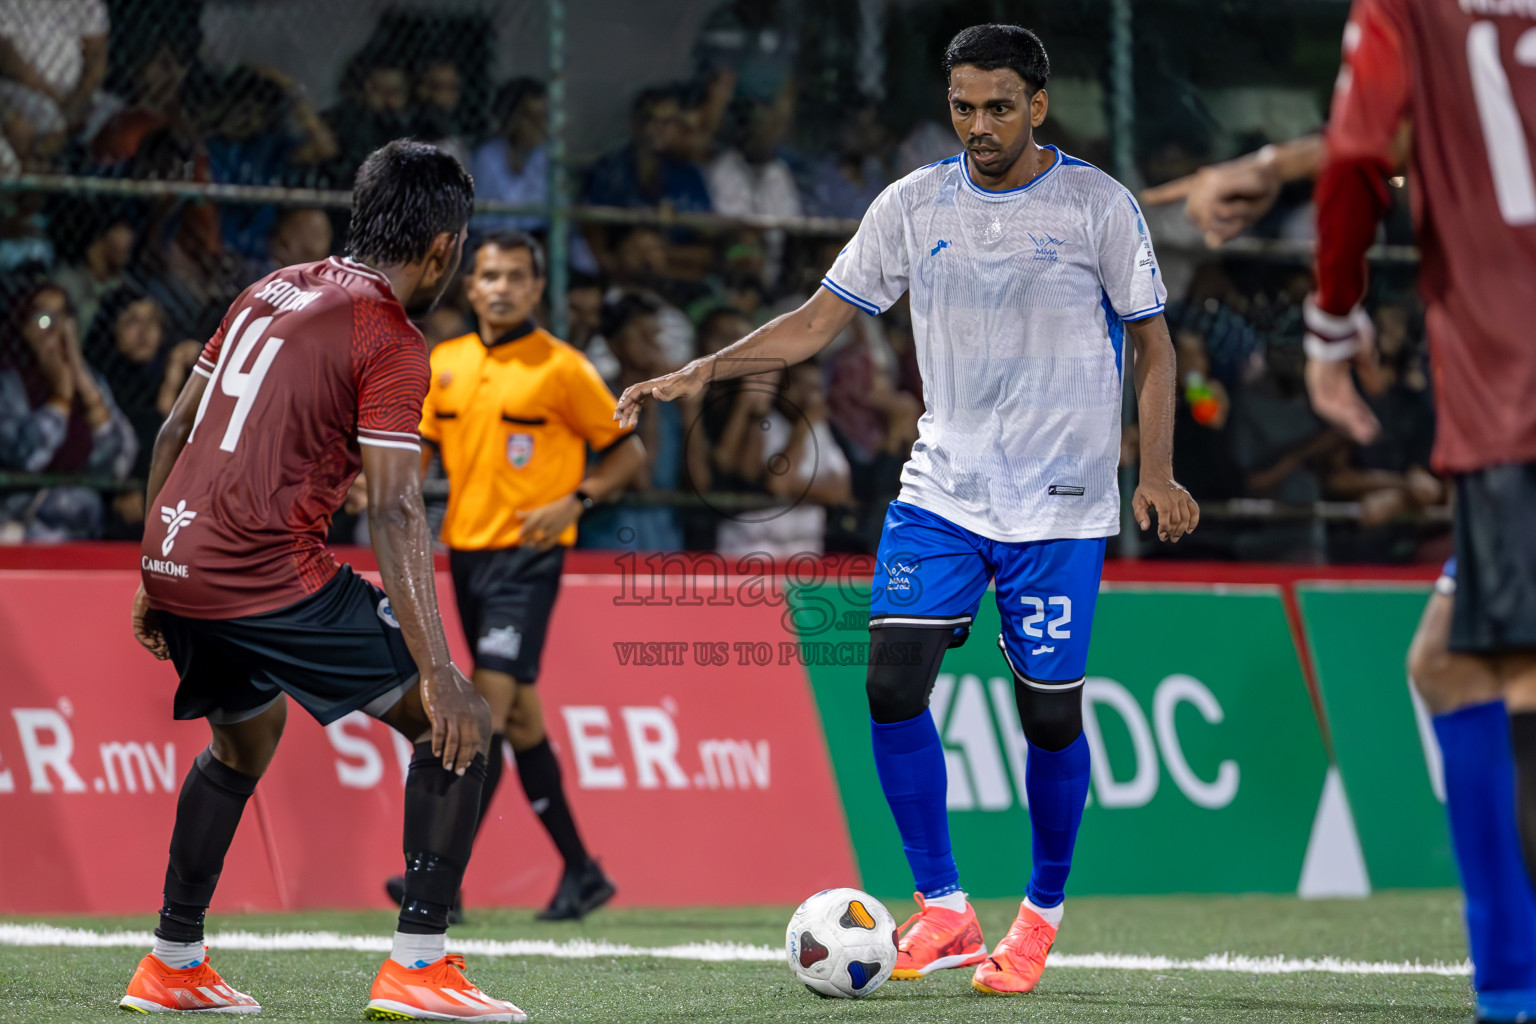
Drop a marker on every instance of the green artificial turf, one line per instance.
(79, 984)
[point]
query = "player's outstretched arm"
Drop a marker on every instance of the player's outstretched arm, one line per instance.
(1177, 513)
(1224, 200)
(784, 341)
(402, 540)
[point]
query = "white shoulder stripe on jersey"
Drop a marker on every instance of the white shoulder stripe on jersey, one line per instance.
(377, 443)
(849, 297)
(201, 372)
(1142, 314)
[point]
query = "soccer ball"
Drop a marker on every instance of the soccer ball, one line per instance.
(842, 943)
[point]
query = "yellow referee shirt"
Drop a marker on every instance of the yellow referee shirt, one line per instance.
(513, 421)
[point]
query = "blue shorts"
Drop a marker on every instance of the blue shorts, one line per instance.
(933, 573)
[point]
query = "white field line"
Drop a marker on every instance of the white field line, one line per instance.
(586, 949)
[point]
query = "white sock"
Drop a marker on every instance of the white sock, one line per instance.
(949, 901)
(418, 950)
(179, 955)
(1050, 915)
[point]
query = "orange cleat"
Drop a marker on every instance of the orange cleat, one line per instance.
(1018, 961)
(438, 991)
(156, 988)
(934, 938)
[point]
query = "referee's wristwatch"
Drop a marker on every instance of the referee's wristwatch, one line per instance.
(582, 496)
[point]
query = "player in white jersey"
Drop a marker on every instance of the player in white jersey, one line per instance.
(1027, 271)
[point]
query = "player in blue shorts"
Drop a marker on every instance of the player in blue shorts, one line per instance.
(1028, 270)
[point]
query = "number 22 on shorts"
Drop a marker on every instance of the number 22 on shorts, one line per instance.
(1057, 627)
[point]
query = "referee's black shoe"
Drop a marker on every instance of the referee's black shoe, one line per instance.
(581, 891)
(396, 889)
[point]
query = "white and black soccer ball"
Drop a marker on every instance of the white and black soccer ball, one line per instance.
(842, 943)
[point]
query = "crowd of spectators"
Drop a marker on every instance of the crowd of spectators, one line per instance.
(108, 301)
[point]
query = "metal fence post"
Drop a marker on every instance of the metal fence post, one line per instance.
(1122, 119)
(559, 200)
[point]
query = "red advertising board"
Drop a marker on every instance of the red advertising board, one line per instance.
(694, 782)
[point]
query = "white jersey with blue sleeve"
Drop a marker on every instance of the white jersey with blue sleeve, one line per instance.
(1018, 304)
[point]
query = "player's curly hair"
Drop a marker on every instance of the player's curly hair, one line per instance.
(405, 195)
(990, 47)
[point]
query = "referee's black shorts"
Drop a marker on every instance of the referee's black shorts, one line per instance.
(336, 651)
(1495, 609)
(505, 597)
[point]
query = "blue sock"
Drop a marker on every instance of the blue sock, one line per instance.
(1480, 803)
(1056, 782)
(910, 761)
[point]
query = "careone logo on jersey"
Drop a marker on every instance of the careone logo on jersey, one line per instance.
(175, 519)
(519, 450)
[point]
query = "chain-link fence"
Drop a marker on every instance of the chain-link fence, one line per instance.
(712, 156)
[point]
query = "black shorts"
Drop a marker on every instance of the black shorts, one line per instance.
(1495, 611)
(505, 597)
(337, 651)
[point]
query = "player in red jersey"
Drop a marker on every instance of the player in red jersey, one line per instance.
(1451, 88)
(315, 373)
(1462, 77)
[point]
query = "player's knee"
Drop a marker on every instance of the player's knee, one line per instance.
(523, 735)
(246, 754)
(1052, 719)
(1431, 668)
(896, 692)
(248, 747)
(903, 663)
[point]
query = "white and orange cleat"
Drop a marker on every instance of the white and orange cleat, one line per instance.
(438, 991)
(156, 988)
(1018, 961)
(934, 939)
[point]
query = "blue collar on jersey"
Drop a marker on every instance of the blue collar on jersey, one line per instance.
(986, 193)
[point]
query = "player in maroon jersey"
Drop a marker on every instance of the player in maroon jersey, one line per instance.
(316, 372)
(1462, 77)
(1451, 89)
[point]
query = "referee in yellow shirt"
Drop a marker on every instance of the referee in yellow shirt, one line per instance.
(512, 410)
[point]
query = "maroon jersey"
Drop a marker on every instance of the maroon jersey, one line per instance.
(1463, 74)
(309, 363)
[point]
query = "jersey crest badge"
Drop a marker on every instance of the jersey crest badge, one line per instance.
(445, 378)
(519, 450)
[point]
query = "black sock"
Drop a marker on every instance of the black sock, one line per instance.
(1522, 731)
(207, 814)
(495, 761)
(540, 774)
(441, 812)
